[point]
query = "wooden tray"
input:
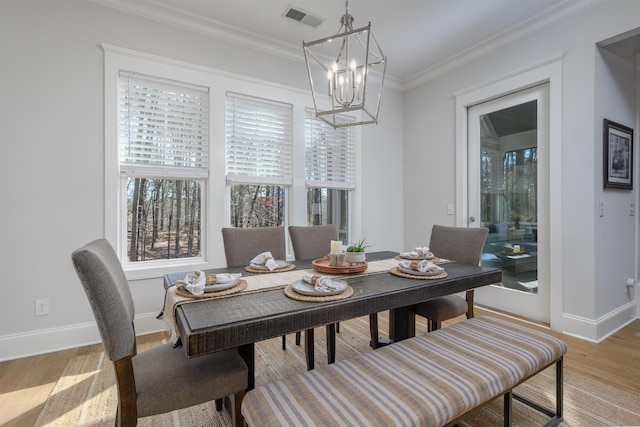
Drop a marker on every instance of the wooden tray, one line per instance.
(322, 265)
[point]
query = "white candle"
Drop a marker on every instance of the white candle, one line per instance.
(336, 247)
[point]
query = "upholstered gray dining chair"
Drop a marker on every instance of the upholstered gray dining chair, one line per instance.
(313, 242)
(161, 379)
(241, 245)
(459, 244)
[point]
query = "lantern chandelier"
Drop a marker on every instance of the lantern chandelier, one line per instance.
(343, 76)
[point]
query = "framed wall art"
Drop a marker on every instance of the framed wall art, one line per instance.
(618, 155)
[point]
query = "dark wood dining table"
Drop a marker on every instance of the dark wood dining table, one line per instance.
(240, 320)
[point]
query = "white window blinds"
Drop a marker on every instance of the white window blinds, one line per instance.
(258, 140)
(330, 154)
(163, 127)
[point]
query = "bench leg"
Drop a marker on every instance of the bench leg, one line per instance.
(555, 417)
(559, 389)
(508, 408)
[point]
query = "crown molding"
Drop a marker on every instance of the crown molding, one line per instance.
(219, 30)
(563, 9)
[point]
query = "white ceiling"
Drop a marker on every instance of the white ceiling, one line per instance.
(417, 36)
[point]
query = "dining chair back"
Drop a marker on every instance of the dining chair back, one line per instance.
(241, 245)
(460, 244)
(311, 242)
(161, 379)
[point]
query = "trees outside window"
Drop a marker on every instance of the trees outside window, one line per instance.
(257, 205)
(163, 219)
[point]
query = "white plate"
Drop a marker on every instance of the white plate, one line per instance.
(419, 273)
(304, 288)
(220, 286)
(281, 264)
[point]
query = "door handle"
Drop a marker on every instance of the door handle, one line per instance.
(472, 219)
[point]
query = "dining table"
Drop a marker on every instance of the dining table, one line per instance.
(244, 318)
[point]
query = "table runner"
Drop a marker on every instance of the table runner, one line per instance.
(259, 283)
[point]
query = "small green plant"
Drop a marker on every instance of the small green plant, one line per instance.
(358, 247)
(516, 218)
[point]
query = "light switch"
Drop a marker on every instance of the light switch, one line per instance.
(632, 208)
(601, 208)
(450, 209)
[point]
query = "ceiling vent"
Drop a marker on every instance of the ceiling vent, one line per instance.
(304, 17)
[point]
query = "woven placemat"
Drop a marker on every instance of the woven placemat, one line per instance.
(434, 259)
(277, 270)
(240, 286)
(288, 291)
(395, 271)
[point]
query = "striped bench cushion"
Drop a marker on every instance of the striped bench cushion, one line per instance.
(428, 380)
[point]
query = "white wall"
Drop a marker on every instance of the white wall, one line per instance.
(615, 99)
(592, 290)
(52, 158)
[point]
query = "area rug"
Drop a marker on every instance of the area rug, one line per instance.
(85, 394)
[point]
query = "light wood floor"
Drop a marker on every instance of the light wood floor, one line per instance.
(26, 383)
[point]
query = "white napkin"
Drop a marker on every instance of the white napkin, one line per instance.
(320, 283)
(193, 282)
(423, 266)
(196, 281)
(265, 258)
(418, 251)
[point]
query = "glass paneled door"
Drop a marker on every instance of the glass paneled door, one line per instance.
(508, 194)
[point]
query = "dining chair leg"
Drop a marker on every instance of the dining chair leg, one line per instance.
(331, 343)
(298, 336)
(308, 349)
(338, 327)
(284, 342)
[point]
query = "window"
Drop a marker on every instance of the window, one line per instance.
(163, 139)
(259, 142)
(330, 158)
(520, 184)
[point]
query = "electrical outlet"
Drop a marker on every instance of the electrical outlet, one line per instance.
(42, 307)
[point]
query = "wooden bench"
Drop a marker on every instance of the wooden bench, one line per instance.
(431, 380)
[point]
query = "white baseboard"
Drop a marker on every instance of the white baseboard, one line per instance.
(600, 329)
(55, 339)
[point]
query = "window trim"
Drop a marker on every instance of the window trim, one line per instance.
(118, 60)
